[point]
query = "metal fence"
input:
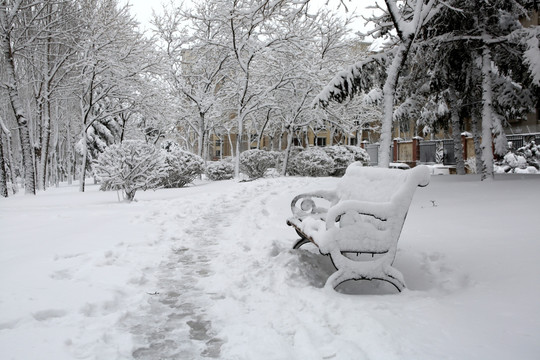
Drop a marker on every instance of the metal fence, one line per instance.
(427, 151)
(518, 141)
(428, 148)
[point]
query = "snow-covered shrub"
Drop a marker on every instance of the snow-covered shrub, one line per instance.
(342, 158)
(130, 166)
(512, 161)
(531, 153)
(184, 166)
(219, 170)
(295, 150)
(311, 162)
(254, 163)
(359, 154)
(525, 157)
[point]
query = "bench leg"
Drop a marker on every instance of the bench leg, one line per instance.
(394, 277)
(351, 270)
(300, 243)
(340, 277)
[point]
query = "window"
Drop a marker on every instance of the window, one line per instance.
(320, 141)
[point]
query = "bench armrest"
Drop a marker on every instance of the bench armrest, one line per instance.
(304, 205)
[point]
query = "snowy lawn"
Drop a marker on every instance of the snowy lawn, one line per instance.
(207, 271)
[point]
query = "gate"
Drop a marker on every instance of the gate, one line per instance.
(373, 152)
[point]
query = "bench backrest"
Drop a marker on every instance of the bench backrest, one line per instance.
(372, 207)
(374, 184)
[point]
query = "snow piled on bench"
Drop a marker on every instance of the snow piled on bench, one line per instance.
(207, 272)
(374, 184)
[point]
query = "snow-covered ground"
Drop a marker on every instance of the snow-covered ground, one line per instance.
(207, 271)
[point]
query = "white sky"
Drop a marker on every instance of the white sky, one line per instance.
(143, 9)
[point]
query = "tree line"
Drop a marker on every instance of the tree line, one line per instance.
(449, 60)
(78, 76)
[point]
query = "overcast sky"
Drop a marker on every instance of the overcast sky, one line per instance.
(143, 9)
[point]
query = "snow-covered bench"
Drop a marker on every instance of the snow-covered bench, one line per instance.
(363, 215)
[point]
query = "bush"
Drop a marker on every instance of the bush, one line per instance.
(311, 162)
(359, 154)
(280, 158)
(130, 166)
(531, 153)
(524, 157)
(342, 158)
(512, 161)
(184, 167)
(219, 170)
(254, 163)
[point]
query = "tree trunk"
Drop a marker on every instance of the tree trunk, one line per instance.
(200, 135)
(123, 131)
(231, 144)
(261, 133)
(206, 145)
(18, 109)
(129, 194)
(487, 114)
(55, 171)
(9, 156)
(82, 175)
(271, 141)
(46, 129)
(287, 152)
(45, 144)
(69, 157)
(3, 174)
(238, 145)
(389, 90)
(477, 140)
(456, 133)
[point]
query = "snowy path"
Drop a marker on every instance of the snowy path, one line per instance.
(177, 324)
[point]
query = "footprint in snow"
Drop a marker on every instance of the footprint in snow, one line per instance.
(45, 315)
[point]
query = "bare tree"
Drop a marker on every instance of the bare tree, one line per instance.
(8, 155)
(10, 31)
(51, 55)
(256, 32)
(112, 57)
(3, 174)
(196, 65)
